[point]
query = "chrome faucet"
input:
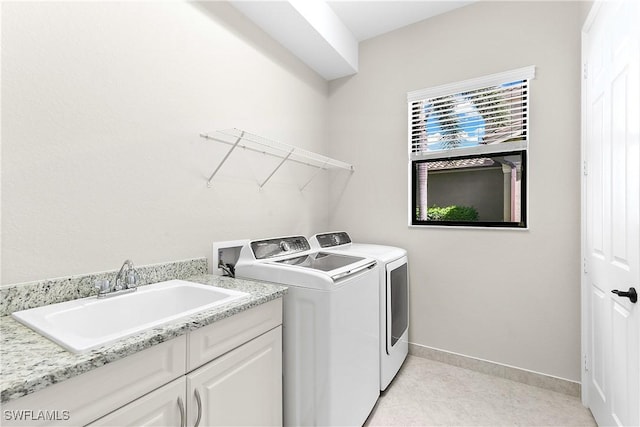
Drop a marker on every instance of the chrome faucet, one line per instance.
(130, 279)
(125, 282)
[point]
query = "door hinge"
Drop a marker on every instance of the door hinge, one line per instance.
(585, 70)
(586, 364)
(585, 170)
(584, 265)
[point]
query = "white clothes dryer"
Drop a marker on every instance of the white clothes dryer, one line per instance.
(330, 329)
(394, 296)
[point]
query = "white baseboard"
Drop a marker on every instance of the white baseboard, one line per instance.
(524, 376)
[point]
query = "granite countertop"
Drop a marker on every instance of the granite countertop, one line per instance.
(30, 362)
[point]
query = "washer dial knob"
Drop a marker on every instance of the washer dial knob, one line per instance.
(284, 246)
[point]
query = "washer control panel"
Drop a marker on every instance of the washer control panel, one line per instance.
(270, 248)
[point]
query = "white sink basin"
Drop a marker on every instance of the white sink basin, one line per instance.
(87, 323)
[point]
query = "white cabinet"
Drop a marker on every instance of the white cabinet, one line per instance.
(240, 388)
(227, 373)
(162, 407)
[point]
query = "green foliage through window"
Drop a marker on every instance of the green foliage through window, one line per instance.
(452, 213)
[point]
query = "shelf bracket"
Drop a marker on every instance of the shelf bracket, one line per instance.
(233, 147)
(277, 167)
(320, 169)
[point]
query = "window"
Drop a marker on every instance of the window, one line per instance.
(468, 145)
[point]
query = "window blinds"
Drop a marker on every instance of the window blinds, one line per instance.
(479, 112)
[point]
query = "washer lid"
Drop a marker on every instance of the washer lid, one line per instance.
(322, 261)
(336, 266)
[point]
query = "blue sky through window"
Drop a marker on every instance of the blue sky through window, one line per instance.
(472, 124)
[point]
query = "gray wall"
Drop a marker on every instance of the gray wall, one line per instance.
(102, 106)
(509, 296)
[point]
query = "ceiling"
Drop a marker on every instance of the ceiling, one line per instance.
(367, 19)
(325, 34)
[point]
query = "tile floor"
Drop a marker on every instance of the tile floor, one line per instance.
(429, 393)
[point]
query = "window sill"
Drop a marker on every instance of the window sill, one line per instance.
(469, 227)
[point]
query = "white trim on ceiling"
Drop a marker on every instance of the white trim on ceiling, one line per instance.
(325, 34)
(309, 29)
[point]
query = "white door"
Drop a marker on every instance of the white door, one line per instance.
(611, 235)
(240, 388)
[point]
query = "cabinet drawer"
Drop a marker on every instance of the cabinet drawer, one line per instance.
(82, 399)
(211, 341)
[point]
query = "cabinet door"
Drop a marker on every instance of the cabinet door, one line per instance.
(241, 387)
(162, 407)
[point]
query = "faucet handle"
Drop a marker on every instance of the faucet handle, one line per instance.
(131, 279)
(101, 285)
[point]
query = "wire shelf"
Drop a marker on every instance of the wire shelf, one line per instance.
(288, 153)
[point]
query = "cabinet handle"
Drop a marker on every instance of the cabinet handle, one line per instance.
(183, 422)
(199, 402)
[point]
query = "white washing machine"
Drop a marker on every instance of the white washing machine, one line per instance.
(330, 326)
(394, 296)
